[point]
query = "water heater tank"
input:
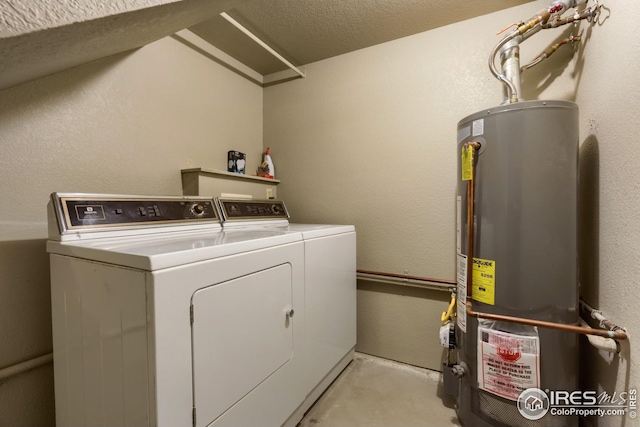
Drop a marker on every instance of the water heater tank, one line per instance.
(526, 190)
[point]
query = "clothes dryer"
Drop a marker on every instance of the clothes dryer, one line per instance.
(330, 287)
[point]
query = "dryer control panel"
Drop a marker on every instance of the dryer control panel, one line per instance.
(84, 211)
(252, 210)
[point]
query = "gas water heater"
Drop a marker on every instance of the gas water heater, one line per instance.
(524, 258)
(517, 244)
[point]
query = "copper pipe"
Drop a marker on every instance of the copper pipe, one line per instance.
(549, 51)
(617, 334)
(470, 222)
(515, 24)
(585, 14)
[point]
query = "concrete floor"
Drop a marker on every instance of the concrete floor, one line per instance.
(374, 392)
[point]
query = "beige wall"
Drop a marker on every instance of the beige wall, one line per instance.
(368, 138)
(365, 135)
(126, 124)
(609, 100)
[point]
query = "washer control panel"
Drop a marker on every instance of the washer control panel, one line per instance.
(77, 211)
(251, 210)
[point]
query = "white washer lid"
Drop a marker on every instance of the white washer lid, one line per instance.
(156, 252)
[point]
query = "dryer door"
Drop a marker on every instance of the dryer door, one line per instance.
(241, 335)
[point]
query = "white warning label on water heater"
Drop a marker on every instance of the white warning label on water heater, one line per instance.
(459, 224)
(508, 363)
(461, 314)
(478, 127)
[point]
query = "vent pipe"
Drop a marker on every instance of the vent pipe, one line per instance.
(509, 46)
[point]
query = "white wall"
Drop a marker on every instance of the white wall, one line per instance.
(125, 124)
(369, 138)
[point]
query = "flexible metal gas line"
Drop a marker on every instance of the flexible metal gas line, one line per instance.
(618, 334)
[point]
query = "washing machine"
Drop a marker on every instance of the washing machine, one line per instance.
(161, 319)
(329, 289)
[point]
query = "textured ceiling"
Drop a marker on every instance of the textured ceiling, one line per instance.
(38, 38)
(43, 37)
(305, 31)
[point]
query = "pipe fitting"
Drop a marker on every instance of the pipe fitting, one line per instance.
(562, 5)
(601, 343)
(474, 144)
(459, 370)
(542, 18)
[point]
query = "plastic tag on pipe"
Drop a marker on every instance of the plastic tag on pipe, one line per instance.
(467, 162)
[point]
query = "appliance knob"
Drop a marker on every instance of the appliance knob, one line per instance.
(276, 209)
(197, 209)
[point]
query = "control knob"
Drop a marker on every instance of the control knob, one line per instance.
(276, 209)
(197, 209)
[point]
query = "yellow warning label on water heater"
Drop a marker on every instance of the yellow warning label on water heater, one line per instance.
(484, 281)
(467, 163)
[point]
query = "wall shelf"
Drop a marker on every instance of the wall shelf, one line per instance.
(213, 182)
(230, 174)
